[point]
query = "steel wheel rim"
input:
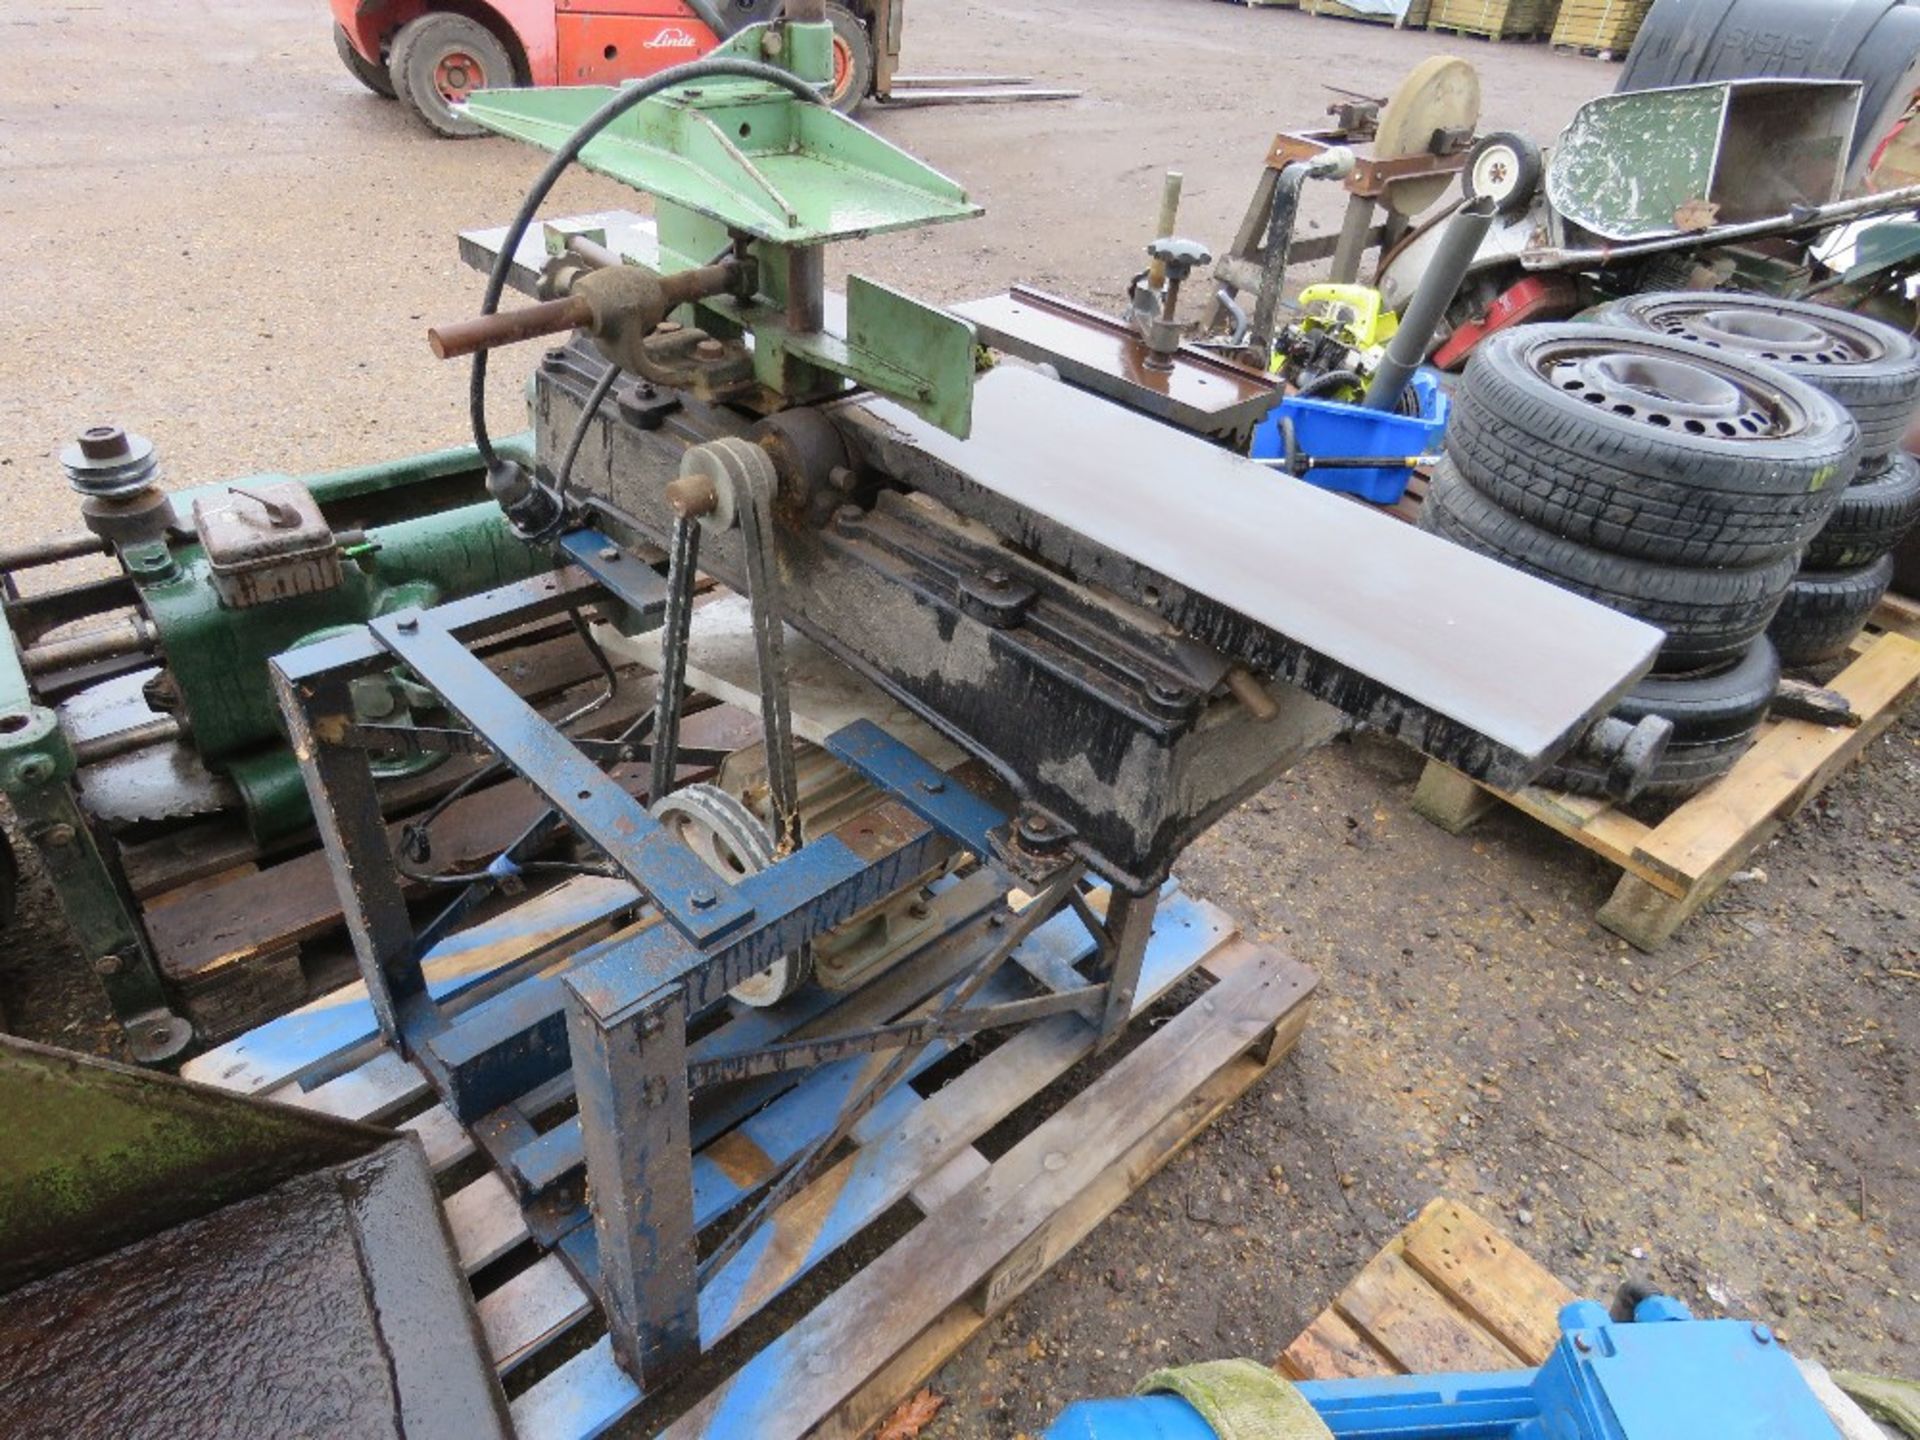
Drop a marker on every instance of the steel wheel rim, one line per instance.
(1496, 173)
(1780, 337)
(1697, 395)
(457, 74)
(842, 68)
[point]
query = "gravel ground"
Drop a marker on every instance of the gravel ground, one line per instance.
(217, 238)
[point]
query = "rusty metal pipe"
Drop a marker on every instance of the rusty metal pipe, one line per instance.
(52, 550)
(509, 327)
(806, 289)
(592, 251)
(134, 635)
(157, 731)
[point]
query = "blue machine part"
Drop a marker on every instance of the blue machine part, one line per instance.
(1331, 429)
(1665, 1376)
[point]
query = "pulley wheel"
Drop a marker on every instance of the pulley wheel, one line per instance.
(733, 844)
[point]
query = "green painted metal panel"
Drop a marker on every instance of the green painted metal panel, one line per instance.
(742, 153)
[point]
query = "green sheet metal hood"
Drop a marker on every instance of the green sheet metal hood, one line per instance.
(742, 153)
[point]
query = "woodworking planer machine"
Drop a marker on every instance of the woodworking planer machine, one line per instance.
(996, 630)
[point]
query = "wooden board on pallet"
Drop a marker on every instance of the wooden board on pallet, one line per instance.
(1494, 19)
(1413, 18)
(1674, 866)
(1600, 26)
(1448, 1293)
(991, 1227)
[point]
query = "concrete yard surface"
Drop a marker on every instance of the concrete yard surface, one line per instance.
(214, 236)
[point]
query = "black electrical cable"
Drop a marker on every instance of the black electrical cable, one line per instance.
(628, 97)
(574, 442)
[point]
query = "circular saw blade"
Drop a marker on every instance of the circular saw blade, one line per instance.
(1442, 92)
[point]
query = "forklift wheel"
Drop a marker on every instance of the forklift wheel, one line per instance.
(441, 58)
(373, 76)
(852, 60)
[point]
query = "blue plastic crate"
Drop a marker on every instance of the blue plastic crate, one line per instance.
(1333, 429)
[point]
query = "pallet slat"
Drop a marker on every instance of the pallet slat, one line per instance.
(801, 1379)
(1674, 867)
(1448, 1293)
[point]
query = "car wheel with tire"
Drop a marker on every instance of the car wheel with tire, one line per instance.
(1715, 715)
(1643, 445)
(369, 73)
(852, 60)
(1871, 368)
(1505, 168)
(1824, 609)
(438, 60)
(1711, 616)
(1873, 517)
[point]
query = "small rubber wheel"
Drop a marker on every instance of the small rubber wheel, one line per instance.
(852, 60)
(1505, 168)
(367, 72)
(440, 59)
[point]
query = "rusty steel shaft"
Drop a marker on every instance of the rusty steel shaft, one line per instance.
(509, 327)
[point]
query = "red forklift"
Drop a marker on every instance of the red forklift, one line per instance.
(433, 53)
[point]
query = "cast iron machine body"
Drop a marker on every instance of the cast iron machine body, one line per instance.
(1101, 632)
(139, 697)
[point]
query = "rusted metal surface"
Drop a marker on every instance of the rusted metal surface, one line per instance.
(329, 1306)
(509, 327)
(1371, 176)
(131, 635)
(1198, 393)
(186, 1261)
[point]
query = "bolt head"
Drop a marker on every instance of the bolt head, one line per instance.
(703, 899)
(610, 554)
(918, 910)
(59, 835)
(408, 626)
(1763, 1334)
(933, 787)
(34, 770)
(1582, 1344)
(996, 579)
(107, 965)
(849, 514)
(709, 350)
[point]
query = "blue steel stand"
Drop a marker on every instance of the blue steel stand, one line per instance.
(613, 1028)
(1662, 1376)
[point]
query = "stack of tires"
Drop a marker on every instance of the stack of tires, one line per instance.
(1663, 478)
(1871, 369)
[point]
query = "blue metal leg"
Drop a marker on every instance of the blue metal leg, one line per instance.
(340, 783)
(631, 1078)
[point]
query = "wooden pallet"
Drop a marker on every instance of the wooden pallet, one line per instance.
(1414, 18)
(1449, 1293)
(1599, 26)
(1494, 19)
(1674, 866)
(993, 1222)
